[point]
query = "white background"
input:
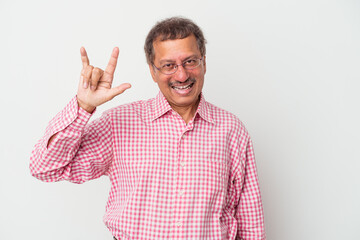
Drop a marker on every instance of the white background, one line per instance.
(288, 68)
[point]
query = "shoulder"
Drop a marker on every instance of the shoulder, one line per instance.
(225, 119)
(138, 109)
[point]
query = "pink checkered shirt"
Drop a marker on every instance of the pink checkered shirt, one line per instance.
(169, 180)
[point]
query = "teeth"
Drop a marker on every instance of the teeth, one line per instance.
(182, 87)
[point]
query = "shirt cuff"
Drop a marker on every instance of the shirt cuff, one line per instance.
(76, 117)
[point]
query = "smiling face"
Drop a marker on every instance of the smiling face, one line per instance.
(181, 89)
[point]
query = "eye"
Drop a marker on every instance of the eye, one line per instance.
(168, 66)
(190, 62)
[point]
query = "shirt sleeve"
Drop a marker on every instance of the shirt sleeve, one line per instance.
(79, 151)
(249, 211)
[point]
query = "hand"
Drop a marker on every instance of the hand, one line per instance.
(95, 84)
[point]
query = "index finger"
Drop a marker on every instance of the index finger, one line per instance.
(84, 57)
(110, 69)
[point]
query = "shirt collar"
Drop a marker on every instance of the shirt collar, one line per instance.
(162, 106)
(204, 110)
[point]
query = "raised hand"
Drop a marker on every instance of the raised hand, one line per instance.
(95, 84)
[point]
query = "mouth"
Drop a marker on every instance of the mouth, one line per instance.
(183, 88)
(188, 86)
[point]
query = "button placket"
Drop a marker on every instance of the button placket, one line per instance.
(182, 138)
(181, 192)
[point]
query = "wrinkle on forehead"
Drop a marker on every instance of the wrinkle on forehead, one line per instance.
(162, 61)
(176, 50)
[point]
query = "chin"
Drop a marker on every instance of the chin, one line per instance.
(186, 101)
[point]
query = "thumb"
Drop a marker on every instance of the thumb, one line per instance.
(118, 90)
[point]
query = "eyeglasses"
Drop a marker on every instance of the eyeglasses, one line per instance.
(171, 68)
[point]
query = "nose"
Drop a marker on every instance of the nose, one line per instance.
(181, 74)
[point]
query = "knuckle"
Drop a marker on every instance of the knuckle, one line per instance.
(96, 71)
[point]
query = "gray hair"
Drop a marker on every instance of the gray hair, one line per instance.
(171, 29)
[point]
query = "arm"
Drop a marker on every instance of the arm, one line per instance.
(249, 212)
(71, 150)
(78, 151)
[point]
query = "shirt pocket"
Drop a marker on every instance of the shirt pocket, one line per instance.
(210, 184)
(215, 172)
(217, 164)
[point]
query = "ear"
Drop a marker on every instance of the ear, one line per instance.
(152, 71)
(204, 63)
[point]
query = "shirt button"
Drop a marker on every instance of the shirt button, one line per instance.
(181, 192)
(182, 164)
(179, 224)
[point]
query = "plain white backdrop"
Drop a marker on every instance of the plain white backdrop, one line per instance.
(289, 69)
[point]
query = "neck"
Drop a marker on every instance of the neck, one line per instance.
(187, 113)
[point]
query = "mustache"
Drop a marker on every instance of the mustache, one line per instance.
(187, 82)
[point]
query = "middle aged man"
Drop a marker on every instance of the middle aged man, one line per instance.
(180, 167)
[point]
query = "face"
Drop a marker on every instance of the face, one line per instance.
(181, 89)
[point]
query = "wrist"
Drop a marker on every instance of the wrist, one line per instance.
(88, 108)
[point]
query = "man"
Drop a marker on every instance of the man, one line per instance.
(180, 168)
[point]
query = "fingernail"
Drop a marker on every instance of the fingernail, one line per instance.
(93, 88)
(85, 85)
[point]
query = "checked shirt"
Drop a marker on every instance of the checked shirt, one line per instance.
(169, 179)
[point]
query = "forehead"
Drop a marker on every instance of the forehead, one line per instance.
(177, 49)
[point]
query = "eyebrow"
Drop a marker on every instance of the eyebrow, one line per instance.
(172, 61)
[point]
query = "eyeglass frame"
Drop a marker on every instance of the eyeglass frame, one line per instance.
(176, 66)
